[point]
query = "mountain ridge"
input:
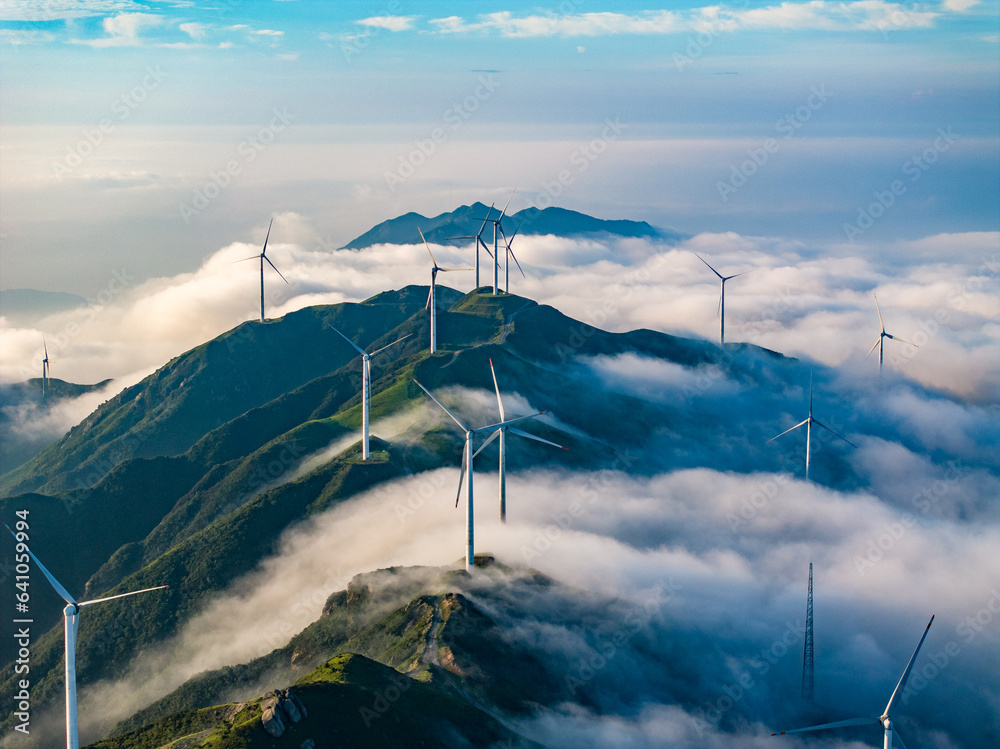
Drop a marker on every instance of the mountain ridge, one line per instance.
(468, 220)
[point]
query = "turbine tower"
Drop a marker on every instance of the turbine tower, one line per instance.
(882, 336)
(432, 296)
(722, 297)
(886, 719)
(45, 369)
(467, 458)
(478, 236)
(808, 422)
(71, 620)
(502, 432)
(808, 673)
(263, 256)
(366, 377)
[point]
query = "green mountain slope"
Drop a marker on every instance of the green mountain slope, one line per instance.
(210, 459)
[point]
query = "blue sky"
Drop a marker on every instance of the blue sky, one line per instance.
(116, 114)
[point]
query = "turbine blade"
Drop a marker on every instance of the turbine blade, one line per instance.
(56, 585)
(275, 269)
(806, 421)
(722, 295)
(709, 266)
(533, 437)
(742, 273)
(252, 257)
(264, 251)
(513, 421)
(356, 346)
(495, 385)
(821, 424)
(483, 446)
(447, 270)
(874, 346)
(897, 738)
(898, 691)
(515, 260)
(485, 247)
(507, 204)
(485, 220)
(453, 417)
(391, 344)
(879, 312)
(428, 247)
(836, 724)
(430, 293)
(121, 595)
(461, 476)
(902, 341)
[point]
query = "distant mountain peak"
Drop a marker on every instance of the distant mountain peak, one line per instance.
(467, 220)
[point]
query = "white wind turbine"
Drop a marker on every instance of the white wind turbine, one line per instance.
(71, 617)
(722, 297)
(885, 720)
(467, 458)
(497, 229)
(263, 256)
(808, 422)
(882, 336)
(502, 432)
(432, 297)
(510, 254)
(366, 386)
(45, 368)
(478, 236)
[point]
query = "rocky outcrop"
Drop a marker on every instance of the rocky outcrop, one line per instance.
(279, 710)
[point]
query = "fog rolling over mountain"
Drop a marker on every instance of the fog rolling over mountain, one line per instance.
(648, 586)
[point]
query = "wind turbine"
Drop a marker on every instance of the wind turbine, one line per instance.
(45, 368)
(432, 297)
(263, 256)
(882, 336)
(722, 297)
(808, 422)
(467, 458)
(502, 431)
(366, 377)
(885, 720)
(496, 255)
(510, 254)
(478, 236)
(71, 617)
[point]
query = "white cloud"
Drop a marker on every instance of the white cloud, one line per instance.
(25, 36)
(959, 6)
(815, 15)
(942, 293)
(390, 23)
(196, 31)
(57, 10)
(124, 30)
